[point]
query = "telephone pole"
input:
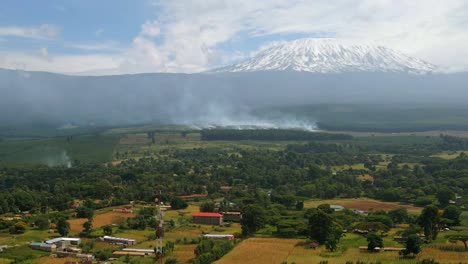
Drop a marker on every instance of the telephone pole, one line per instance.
(159, 228)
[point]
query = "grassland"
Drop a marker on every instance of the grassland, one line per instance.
(365, 204)
(275, 250)
(57, 151)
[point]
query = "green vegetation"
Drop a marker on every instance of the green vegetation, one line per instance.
(271, 180)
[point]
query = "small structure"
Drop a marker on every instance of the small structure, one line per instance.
(121, 253)
(142, 250)
(218, 236)
(118, 240)
(193, 196)
(64, 242)
(314, 245)
(232, 216)
(336, 207)
(207, 218)
(43, 246)
(123, 210)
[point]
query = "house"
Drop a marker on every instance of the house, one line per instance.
(118, 240)
(232, 216)
(64, 242)
(218, 236)
(207, 218)
(43, 246)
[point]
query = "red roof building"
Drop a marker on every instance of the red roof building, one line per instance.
(207, 218)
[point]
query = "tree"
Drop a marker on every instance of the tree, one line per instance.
(299, 205)
(18, 228)
(459, 237)
(207, 207)
(444, 196)
(413, 245)
(178, 203)
(452, 213)
(429, 220)
(334, 237)
(63, 227)
(253, 218)
(326, 208)
(87, 227)
(84, 212)
(373, 241)
(399, 215)
(320, 226)
(42, 223)
(107, 229)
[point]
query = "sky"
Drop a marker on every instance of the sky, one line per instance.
(136, 36)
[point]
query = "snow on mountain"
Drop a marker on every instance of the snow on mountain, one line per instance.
(329, 56)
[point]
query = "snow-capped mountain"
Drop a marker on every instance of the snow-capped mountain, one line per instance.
(329, 56)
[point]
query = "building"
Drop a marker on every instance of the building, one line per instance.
(232, 216)
(136, 252)
(207, 218)
(142, 250)
(43, 246)
(118, 240)
(218, 237)
(64, 242)
(336, 208)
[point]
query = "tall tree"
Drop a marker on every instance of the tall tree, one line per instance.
(253, 218)
(373, 241)
(413, 245)
(452, 213)
(444, 195)
(429, 220)
(63, 227)
(320, 225)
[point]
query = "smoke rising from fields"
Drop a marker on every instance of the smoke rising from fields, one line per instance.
(207, 100)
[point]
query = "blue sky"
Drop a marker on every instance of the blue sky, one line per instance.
(133, 36)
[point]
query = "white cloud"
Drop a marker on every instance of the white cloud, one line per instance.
(44, 31)
(186, 36)
(106, 46)
(150, 29)
(60, 63)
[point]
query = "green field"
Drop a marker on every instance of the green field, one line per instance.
(58, 151)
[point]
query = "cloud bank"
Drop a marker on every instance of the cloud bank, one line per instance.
(192, 36)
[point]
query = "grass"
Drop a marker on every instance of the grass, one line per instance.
(364, 204)
(57, 151)
(260, 250)
(275, 250)
(101, 218)
(449, 154)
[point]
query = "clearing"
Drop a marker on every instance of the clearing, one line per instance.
(364, 204)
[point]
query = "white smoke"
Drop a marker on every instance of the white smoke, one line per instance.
(215, 116)
(59, 159)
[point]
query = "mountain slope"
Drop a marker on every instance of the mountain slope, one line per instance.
(329, 56)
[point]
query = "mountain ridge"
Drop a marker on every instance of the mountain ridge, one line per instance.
(329, 56)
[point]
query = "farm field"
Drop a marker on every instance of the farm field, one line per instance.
(57, 151)
(275, 250)
(101, 218)
(260, 250)
(364, 204)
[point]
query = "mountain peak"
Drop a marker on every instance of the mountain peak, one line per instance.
(329, 56)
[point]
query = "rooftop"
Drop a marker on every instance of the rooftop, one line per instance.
(58, 239)
(203, 214)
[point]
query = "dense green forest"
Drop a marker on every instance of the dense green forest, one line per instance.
(301, 170)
